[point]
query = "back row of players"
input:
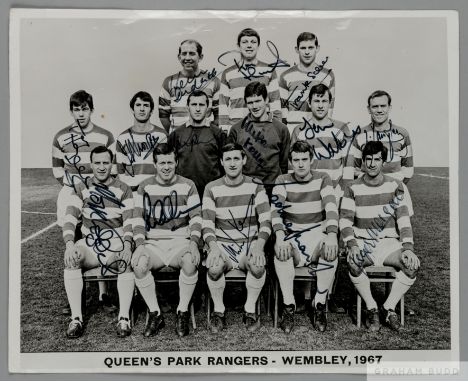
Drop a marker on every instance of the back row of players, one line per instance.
(237, 173)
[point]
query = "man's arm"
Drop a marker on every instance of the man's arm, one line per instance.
(58, 163)
(403, 219)
(194, 208)
(331, 86)
(284, 95)
(72, 214)
(127, 213)
(347, 213)
(165, 105)
(329, 203)
(347, 167)
(224, 104)
(139, 231)
(274, 96)
(354, 159)
(407, 167)
(215, 100)
(284, 154)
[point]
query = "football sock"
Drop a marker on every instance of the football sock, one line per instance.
(362, 285)
(254, 287)
(217, 291)
(285, 273)
(325, 276)
(147, 289)
(74, 287)
(125, 287)
(102, 289)
(186, 287)
(399, 287)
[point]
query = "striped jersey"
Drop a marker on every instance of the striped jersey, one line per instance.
(235, 213)
(295, 85)
(71, 149)
(176, 89)
(330, 145)
(167, 211)
(232, 107)
(296, 206)
(399, 163)
(134, 154)
(375, 212)
(106, 212)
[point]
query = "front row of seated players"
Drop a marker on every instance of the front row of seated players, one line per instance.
(374, 223)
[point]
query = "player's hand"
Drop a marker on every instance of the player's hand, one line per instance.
(258, 256)
(125, 256)
(214, 255)
(410, 260)
(354, 256)
(330, 248)
(136, 258)
(195, 253)
(283, 247)
(72, 256)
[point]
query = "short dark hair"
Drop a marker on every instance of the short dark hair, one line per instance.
(300, 147)
(100, 150)
(164, 149)
(307, 36)
(248, 32)
(379, 93)
(232, 146)
(319, 89)
(191, 41)
(374, 147)
(198, 93)
(255, 89)
(145, 97)
(79, 98)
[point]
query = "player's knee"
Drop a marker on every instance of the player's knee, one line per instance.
(257, 271)
(142, 266)
(215, 272)
(187, 266)
(354, 269)
(411, 273)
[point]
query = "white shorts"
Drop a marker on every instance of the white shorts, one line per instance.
(64, 199)
(383, 248)
(167, 249)
(236, 253)
(104, 251)
(306, 245)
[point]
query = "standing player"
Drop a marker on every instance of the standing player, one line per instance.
(329, 139)
(136, 144)
(236, 225)
(264, 138)
(198, 144)
(106, 206)
(376, 227)
(168, 228)
(71, 163)
(236, 77)
(176, 88)
(295, 82)
(305, 221)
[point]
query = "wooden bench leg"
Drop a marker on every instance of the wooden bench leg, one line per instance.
(358, 311)
(275, 320)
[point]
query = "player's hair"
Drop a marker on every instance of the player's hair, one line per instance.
(100, 150)
(319, 89)
(145, 97)
(300, 146)
(248, 32)
(191, 41)
(374, 147)
(379, 93)
(81, 97)
(163, 149)
(307, 36)
(255, 89)
(232, 146)
(198, 93)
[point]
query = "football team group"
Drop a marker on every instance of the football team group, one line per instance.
(248, 171)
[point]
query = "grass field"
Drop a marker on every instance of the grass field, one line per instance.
(43, 294)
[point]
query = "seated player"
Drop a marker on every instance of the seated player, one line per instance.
(236, 225)
(106, 208)
(376, 228)
(305, 221)
(167, 231)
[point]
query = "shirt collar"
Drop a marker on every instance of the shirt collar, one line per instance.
(206, 123)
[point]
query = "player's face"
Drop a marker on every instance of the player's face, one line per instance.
(257, 106)
(307, 52)
(188, 56)
(142, 110)
(379, 109)
(319, 104)
(301, 164)
(373, 165)
(197, 108)
(233, 163)
(82, 115)
(165, 166)
(248, 46)
(101, 166)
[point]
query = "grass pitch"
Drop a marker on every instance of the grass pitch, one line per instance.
(43, 293)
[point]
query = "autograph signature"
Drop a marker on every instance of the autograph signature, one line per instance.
(76, 141)
(186, 85)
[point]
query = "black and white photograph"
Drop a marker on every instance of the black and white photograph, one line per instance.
(233, 191)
